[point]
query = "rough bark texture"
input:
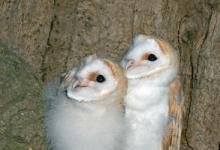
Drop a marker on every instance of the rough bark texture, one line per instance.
(52, 35)
(21, 121)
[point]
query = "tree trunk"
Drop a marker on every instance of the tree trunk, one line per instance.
(53, 35)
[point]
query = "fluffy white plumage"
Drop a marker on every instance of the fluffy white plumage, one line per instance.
(90, 115)
(150, 66)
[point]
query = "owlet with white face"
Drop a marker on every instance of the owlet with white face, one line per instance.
(153, 110)
(86, 112)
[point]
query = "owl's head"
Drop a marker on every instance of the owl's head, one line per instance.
(148, 56)
(94, 80)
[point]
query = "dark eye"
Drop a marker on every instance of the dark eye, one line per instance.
(152, 57)
(100, 78)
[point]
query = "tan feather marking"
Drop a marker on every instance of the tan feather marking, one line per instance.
(171, 140)
(164, 46)
(92, 76)
(172, 105)
(174, 88)
(144, 56)
(167, 138)
(111, 66)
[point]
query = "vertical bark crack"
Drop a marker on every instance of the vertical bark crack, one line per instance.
(190, 103)
(43, 67)
(202, 44)
(194, 76)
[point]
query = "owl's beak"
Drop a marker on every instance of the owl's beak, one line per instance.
(81, 83)
(131, 63)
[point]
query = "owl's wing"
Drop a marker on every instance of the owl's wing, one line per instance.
(171, 140)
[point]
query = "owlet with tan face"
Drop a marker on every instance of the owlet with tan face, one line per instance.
(86, 112)
(153, 100)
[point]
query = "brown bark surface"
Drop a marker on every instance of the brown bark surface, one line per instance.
(53, 35)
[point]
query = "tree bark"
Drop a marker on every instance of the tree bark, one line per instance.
(53, 35)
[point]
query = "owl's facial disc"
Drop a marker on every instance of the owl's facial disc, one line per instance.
(93, 81)
(147, 65)
(145, 59)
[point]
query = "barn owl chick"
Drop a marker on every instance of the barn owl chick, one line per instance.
(153, 97)
(87, 112)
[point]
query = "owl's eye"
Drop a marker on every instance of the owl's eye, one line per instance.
(100, 78)
(152, 57)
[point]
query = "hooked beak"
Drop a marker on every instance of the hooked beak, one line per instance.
(81, 83)
(131, 63)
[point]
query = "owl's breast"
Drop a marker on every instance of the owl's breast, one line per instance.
(145, 97)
